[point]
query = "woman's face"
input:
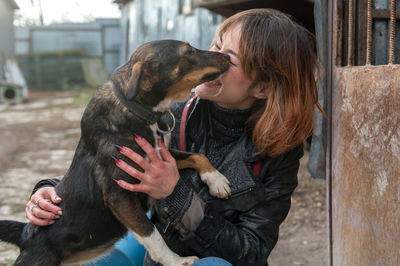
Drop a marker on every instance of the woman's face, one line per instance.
(232, 89)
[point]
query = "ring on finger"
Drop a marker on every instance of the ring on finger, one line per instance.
(31, 208)
(37, 201)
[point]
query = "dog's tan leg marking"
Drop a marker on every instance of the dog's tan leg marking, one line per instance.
(217, 183)
(132, 216)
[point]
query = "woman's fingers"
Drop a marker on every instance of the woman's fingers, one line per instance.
(43, 198)
(135, 157)
(53, 195)
(132, 187)
(132, 171)
(48, 206)
(158, 175)
(40, 210)
(165, 154)
(40, 213)
(37, 221)
(148, 149)
(37, 216)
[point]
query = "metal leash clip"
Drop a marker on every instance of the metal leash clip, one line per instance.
(170, 129)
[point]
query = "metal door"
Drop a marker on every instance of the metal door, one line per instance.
(364, 133)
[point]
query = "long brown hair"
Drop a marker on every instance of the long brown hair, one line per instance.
(278, 54)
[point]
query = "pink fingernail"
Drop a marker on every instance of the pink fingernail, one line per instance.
(117, 161)
(59, 212)
(51, 222)
(137, 137)
(120, 148)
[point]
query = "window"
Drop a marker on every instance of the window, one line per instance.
(370, 32)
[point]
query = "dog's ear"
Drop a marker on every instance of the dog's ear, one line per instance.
(134, 81)
(144, 75)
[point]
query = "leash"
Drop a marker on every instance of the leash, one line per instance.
(185, 114)
(182, 132)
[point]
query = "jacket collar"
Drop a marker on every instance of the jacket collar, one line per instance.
(249, 152)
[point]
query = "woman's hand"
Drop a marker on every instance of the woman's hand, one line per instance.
(160, 175)
(40, 210)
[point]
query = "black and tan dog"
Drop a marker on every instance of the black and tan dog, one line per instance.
(97, 212)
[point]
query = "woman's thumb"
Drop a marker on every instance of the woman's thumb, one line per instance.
(54, 196)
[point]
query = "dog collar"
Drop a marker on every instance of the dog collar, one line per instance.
(146, 114)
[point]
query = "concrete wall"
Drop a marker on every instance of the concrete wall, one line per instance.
(148, 20)
(100, 38)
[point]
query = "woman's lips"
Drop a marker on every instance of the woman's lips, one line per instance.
(213, 84)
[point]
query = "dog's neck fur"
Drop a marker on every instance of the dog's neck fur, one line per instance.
(146, 114)
(151, 117)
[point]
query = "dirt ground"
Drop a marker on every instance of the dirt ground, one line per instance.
(38, 139)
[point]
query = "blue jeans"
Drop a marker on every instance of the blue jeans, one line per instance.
(211, 261)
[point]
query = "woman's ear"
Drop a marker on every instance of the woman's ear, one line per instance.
(260, 92)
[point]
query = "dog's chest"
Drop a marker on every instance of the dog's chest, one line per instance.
(157, 137)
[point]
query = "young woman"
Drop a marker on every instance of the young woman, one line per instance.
(250, 123)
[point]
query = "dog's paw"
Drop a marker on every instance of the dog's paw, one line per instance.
(218, 185)
(187, 261)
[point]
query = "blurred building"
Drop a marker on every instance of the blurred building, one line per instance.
(194, 21)
(13, 87)
(143, 21)
(66, 55)
(7, 8)
(99, 38)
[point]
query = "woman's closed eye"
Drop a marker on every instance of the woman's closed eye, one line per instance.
(235, 62)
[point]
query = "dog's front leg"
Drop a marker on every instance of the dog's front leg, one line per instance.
(128, 210)
(218, 185)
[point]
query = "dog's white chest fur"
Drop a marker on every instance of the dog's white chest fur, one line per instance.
(156, 136)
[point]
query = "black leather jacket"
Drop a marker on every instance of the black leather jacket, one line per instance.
(244, 228)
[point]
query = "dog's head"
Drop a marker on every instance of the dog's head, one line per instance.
(166, 71)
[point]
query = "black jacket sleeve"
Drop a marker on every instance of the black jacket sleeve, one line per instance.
(251, 236)
(46, 183)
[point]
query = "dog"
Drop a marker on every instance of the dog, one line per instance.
(96, 211)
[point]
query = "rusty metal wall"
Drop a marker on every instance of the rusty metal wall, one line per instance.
(365, 213)
(363, 159)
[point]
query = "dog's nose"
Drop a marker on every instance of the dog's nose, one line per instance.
(227, 57)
